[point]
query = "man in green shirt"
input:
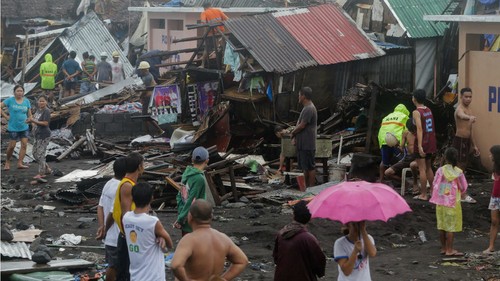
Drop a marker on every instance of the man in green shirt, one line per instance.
(194, 186)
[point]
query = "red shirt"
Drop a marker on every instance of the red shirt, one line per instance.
(496, 186)
(428, 131)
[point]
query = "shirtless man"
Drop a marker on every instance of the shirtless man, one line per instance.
(201, 254)
(408, 147)
(464, 141)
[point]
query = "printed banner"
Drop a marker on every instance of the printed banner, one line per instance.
(207, 92)
(165, 104)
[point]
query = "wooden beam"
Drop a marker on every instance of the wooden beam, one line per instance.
(371, 116)
(192, 38)
(213, 189)
(233, 183)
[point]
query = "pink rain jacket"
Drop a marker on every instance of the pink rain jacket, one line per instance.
(447, 181)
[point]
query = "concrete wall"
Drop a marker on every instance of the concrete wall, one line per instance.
(106, 125)
(479, 71)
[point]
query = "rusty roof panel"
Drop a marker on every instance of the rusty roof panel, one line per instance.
(15, 250)
(269, 43)
(328, 34)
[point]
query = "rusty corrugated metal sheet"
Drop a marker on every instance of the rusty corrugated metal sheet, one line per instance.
(328, 34)
(269, 43)
(15, 250)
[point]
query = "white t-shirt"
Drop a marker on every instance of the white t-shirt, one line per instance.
(106, 202)
(343, 249)
(116, 71)
(146, 258)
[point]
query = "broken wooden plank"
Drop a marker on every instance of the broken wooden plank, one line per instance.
(11, 267)
(173, 183)
(71, 148)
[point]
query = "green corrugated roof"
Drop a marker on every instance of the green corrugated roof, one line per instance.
(410, 15)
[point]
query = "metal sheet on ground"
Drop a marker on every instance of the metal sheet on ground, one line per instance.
(11, 267)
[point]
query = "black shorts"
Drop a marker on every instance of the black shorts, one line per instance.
(403, 163)
(305, 159)
(122, 267)
(69, 85)
(112, 256)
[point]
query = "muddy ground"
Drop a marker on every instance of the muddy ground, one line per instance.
(401, 254)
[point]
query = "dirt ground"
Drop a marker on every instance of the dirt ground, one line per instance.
(401, 255)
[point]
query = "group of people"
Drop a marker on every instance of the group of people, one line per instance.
(87, 73)
(19, 118)
(135, 241)
(414, 139)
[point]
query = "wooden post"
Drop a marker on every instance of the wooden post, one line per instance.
(213, 189)
(371, 116)
(233, 184)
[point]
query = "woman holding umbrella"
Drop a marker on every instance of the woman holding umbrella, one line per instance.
(352, 253)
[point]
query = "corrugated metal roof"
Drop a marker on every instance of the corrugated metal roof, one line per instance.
(410, 15)
(15, 250)
(328, 34)
(7, 89)
(90, 35)
(269, 43)
(87, 35)
(234, 3)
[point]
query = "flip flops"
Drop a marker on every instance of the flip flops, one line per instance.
(469, 200)
(488, 252)
(455, 254)
(22, 167)
(417, 197)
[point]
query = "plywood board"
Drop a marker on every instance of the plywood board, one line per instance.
(26, 235)
(11, 267)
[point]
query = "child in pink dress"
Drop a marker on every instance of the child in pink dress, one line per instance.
(448, 184)
(495, 199)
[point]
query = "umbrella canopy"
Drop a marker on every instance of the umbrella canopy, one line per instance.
(358, 201)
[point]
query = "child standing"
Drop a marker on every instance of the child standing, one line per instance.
(141, 231)
(194, 187)
(41, 132)
(447, 187)
(352, 252)
(425, 145)
(110, 237)
(495, 198)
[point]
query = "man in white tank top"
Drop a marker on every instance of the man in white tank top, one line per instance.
(141, 231)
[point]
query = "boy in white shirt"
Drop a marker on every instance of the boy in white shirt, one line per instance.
(141, 232)
(105, 206)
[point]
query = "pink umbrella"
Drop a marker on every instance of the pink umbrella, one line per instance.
(354, 201)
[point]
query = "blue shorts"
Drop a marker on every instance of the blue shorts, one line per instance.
(19, 135)
(390, 155)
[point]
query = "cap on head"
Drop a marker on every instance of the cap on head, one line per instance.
(115, 54)
(144, 65)
(200, 154)
(104, 55)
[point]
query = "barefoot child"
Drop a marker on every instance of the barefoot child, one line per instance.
(352, 252)
(41, 132)
(495, 198)
(447, 187)
(141, 231)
